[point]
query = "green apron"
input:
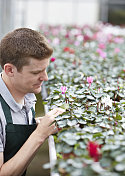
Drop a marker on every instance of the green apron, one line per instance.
(16, 134)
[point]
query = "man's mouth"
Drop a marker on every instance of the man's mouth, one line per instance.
(38, 85)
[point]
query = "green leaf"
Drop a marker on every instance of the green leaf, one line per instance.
(120, 167)
(65, 106)
(118, 117)
(97, 135)
(56, 97)
(59, 156)
(45, 102)
(90, 97)
(71, 122)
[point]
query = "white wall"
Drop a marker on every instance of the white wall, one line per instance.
(31, 13)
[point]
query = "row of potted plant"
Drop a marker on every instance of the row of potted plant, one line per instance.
(87, 79)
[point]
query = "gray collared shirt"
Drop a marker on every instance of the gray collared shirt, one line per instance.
(21, 114)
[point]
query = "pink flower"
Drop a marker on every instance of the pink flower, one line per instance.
(116, 123)
(56, 41)
(76, 43)
(53, 59)
(55, 31)
(89, 80)
(109, 37)
(98, 50)
(86, 38)
(102, 46)
(116, 50)
(63, 89)
(101, 53)
(94, 37)
(118, 40)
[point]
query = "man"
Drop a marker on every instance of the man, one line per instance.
(24, 57)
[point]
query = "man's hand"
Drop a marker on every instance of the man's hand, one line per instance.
(46, 125)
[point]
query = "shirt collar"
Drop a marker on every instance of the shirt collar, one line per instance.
(30, 98)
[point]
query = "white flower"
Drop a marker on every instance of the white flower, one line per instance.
(107, 101)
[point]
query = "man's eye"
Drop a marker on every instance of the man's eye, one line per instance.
(35, 73)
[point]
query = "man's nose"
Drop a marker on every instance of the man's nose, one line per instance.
(44, 76)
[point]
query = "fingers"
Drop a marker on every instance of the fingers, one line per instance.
(51, 116)
(53, 128)
(46, 125)
(55, 112)
(60, 110)
(38, 120)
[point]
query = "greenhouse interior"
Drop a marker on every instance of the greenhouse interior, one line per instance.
(86, 79)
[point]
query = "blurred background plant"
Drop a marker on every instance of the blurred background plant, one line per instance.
(61, 17)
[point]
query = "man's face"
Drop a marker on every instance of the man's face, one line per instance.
(30, 79)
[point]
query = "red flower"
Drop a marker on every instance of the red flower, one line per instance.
(66, 49)
(70, 50)
(67, 35)
(87, 38)
(53, 59)
(94, 150)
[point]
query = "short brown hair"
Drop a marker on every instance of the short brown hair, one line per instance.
(17, 46)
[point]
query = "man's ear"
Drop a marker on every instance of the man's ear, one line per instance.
(9, 69)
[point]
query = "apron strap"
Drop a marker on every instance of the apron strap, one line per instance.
(7, 113)
(6, 110)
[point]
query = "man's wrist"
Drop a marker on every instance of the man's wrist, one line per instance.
(38, 137)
